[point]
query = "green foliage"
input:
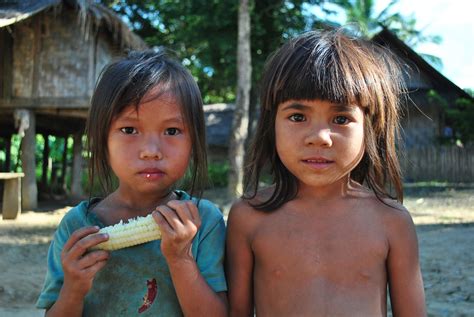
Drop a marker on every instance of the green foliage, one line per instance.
(365, 20)
(15, 153)
(218, 174)
(470, 91)
(204, 35)
(462, 116)
(458, 116)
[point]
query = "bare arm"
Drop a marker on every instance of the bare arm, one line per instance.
(404, 274)
(239, 262)
(195, 296)
(179, 222)
(79, 269)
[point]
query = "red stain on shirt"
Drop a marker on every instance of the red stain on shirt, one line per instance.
(149, 298)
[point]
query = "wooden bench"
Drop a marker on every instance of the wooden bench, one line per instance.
(11, 195)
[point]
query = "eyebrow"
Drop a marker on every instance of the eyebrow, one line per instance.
(295, 106)
(133, 118)
(335, 107)
(343, 108)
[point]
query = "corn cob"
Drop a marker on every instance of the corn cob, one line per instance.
(137, 231)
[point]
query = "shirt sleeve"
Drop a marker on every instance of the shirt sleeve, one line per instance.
(211, 247)
(54, 272)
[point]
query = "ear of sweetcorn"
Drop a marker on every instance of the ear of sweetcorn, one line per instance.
(136, 231)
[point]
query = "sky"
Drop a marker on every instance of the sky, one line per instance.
(453, 21)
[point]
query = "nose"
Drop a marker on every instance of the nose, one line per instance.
(151, 149)
(319, 136)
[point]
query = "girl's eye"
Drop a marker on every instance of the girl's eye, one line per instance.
(129, 130)
(297, 117)
(172, 131)
(341, 120)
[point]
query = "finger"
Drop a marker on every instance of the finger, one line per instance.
(93, 269)
(92, 258)
(182, 209)
(192, 211)
(195, 213)
(165, 227)
(81, 246)
(78, 235)
(171, 217)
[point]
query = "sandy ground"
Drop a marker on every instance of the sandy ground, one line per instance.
(445, 224)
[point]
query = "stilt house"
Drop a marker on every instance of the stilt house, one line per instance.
(51, 53)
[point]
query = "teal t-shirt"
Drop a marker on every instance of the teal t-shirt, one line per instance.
(136, 280)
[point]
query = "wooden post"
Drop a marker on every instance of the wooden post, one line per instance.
(76, 188)
(28, 163)
(44, 174)
(8, 153)
(62, 179)
(7, 143)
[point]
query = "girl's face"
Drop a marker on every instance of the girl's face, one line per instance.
(149, 149)
(319, 142)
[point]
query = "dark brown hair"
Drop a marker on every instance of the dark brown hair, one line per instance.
(331, 66)
(124, 83)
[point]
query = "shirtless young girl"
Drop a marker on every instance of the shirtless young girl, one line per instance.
(327, 237)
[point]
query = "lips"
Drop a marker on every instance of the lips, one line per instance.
(151, 173)
(317, 163)
(317, 160)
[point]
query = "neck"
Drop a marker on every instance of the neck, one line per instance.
(139, 204)
(339, 189)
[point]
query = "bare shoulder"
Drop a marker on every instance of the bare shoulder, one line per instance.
(395, 214)
(244, 215)
(391, 213)
(396, 218)
(240, 209)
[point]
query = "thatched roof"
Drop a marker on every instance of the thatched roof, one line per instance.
(92, 16)
(15, 11)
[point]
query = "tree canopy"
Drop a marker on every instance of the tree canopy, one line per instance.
(203, 33)
(364, 17)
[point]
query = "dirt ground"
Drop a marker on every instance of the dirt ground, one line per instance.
(444, 216)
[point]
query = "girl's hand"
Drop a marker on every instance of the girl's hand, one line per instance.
(80, 266)
(179, 221)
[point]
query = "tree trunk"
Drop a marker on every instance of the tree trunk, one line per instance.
(44, 174)
(28, 163)
(241, 113)
(76, 188)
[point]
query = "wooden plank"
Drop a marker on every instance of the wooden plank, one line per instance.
(11, 175)
(47, 103)
(11, 198)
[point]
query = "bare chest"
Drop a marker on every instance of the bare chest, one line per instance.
(344, 250)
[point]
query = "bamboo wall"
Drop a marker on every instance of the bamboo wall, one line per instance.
(438, 163)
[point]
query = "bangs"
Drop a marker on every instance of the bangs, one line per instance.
(308, 76)
(150, 80)
(337, 69)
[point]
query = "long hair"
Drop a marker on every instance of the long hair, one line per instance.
(331, 66)
(124, 83)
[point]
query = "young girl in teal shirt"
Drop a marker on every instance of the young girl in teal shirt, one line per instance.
(146, 127)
